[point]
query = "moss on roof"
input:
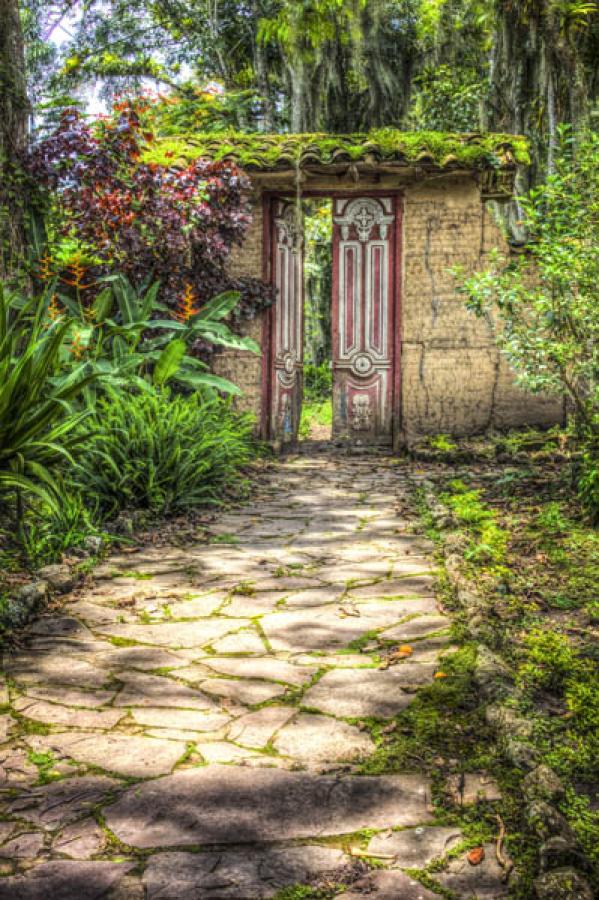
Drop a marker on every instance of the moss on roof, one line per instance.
(269, 152)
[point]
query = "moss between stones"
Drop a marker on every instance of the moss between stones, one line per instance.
(279, 151)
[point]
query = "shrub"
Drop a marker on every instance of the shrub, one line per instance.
(588, 483)
(547, 300)
(318, 382)
(161, 452)
(174, 224)
(38, 424)
(52, 531)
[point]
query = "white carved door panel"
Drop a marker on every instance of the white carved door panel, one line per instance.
(288, 275)
(364, 248)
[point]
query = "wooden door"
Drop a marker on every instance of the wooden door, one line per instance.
(287, 351)
(364, 286)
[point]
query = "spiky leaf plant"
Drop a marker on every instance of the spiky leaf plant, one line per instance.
(38, 424)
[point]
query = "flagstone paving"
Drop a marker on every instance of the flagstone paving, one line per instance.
(200, 713)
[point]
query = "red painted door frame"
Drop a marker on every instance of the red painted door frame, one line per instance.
(268, 326)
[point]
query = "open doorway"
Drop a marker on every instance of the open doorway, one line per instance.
(317, 403)
(351, 243)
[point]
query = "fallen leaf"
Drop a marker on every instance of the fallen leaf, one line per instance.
(476, 856)
(405, 650)
(440, 675)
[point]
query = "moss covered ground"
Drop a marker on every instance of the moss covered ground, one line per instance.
(526, 544)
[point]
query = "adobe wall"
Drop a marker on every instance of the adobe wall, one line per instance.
(242, 367)
(454, 380)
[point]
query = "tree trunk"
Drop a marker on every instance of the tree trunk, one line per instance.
(298, 96)
(264, 88)
(14, 109)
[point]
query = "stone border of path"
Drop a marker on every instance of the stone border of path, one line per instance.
(542, 786)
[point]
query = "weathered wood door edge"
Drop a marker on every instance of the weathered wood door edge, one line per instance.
(282, 335)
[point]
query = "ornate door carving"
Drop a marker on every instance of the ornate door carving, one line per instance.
(288, 322)
(364, 247)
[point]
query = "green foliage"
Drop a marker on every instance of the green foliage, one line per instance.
(318, 288)
(443, 443)
(38, 423)
(548, 301)
(446, 102)
(318, 382)
(52, 531)
(467, 507)
(550, 660)
(489, 541)
(162, 452)
(193, 109)
(588, 482)
(582, 699)
(315, 415)
(122, 336)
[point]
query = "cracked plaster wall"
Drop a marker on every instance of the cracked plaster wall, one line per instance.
(454, 380)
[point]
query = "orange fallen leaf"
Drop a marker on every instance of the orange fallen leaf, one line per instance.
(476, 856)
(405, 650)
(440, 674)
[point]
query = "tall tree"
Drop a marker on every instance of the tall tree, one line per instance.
(14, 109)
(543, 70)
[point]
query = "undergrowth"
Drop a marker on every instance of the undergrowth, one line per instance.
(534, 553)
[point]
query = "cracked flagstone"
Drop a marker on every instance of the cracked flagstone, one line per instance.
(229, 805)
(236, 874)
(313, 739)
(125, 754)
(227, 690)
(64, 880)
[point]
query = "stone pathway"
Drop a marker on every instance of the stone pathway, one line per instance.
(192, 725)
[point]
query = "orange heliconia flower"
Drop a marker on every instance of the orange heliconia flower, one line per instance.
(186, 307)
(45, 266)
(76, 349)
(76, 271)
(54, 308)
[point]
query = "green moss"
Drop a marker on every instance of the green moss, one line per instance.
(270, 151)
(224, 539)
(364, 639)
(138, 576)
(244, 588)
(45, 763)
(122, 642)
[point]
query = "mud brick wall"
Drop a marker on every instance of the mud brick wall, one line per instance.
(241, 367)
(454, 380)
